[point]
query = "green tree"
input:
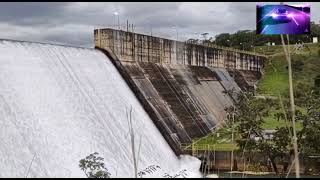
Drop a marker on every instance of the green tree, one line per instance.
(309, 136)
(249, 117)
(93, 166)
(249, 38)
(222, 40)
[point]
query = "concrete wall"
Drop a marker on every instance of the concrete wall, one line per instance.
(181, 86)
(143, 48)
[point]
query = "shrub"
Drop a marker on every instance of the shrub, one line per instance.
(93, 166)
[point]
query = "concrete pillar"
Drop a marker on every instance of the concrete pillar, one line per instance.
(193, 55)
(205, 57)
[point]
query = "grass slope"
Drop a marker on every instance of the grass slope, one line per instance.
(275, 78)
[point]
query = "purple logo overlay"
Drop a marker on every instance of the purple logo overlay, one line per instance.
(283, 19)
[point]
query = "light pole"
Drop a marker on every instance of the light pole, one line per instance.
(196, 36)
(117, 14)
(232, 139)
(230, 43)
(174, 27)
(254, 49)
(242, 46)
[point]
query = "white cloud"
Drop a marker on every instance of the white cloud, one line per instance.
(73, 23)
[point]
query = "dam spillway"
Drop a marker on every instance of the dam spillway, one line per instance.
(58, 104)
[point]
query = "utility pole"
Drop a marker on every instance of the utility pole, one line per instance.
(127, 25)
(295, 144)
(232, 140)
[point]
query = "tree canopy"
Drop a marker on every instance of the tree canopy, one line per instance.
(249, 113)
(249, 38)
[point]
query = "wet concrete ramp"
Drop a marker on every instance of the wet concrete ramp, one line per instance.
(188, 101)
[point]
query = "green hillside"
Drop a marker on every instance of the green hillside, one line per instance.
(275, 78)
(306, 67)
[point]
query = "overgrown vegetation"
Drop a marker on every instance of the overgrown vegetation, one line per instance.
(309, 136)
(249, 115)
(249, 119)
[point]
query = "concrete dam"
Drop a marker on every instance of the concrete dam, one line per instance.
(181, 86)
(61, 103)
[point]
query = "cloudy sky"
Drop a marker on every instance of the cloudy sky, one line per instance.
(73, 23)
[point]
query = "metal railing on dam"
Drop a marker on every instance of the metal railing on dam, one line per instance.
(182, 86)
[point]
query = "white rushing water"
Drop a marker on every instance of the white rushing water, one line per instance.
(59, 104)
